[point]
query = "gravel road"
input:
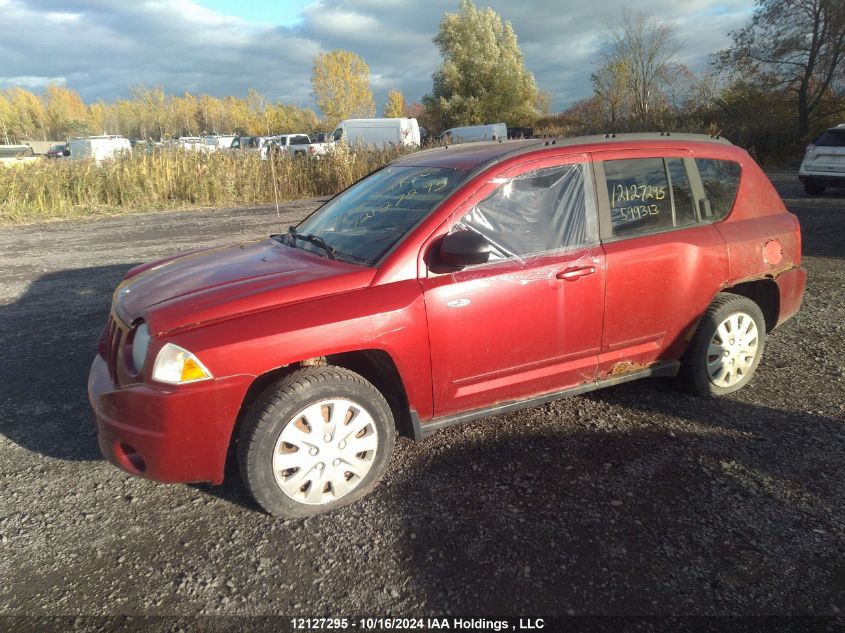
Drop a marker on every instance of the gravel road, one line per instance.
(632, 500)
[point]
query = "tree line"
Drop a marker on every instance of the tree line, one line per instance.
(779, 83)
(149, 113)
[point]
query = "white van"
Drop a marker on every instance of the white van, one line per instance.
(97, 147)
(473, 133)
(378, 132)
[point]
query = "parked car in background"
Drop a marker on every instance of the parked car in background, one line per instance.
(824, 162)
(293, 144)
(241, 143)
(520, 132)
(191, 143)
(219, 142)
(378, 133)
(475, 133)
(56, 151)
(259, 145)
(98, 148)
(320, 147)
(452, 284)
(14, 155)
(321, 137)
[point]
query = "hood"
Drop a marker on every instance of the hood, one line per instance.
(223, 282)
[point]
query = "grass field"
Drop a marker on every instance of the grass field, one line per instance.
(61, 189)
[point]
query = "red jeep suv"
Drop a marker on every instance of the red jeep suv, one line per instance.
(452, 284)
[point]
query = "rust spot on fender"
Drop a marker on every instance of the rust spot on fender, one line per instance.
(773, 273)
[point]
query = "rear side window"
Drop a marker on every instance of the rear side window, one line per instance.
(721, 182)
(640, 201)
(831, 138)
(536, 212)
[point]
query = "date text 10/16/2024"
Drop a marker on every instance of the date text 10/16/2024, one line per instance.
(419, 624)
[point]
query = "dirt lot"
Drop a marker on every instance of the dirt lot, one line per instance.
(633, 500)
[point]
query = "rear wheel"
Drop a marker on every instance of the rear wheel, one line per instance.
(813, 188)
(726, 348)
(319, 439)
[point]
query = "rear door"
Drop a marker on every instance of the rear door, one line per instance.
(663, 264)
(529, 321)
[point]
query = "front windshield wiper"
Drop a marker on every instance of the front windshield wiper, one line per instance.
(316, 240)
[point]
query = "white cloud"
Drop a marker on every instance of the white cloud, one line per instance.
(33, 83)
(103, 47)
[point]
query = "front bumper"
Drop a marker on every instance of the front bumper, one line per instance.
(178, 435)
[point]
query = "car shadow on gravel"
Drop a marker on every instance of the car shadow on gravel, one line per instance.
(49, 338)
(648, 506)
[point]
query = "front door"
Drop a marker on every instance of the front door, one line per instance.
(529, 321)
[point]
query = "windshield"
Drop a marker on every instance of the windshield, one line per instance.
(366, 220)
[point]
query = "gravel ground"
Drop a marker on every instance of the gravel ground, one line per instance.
(632, 500)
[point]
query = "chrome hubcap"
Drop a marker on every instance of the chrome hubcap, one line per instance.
(325, 451)
(732, 350)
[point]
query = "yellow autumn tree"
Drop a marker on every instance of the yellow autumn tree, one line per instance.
(341, 84)
(395, 106)
(65, 112)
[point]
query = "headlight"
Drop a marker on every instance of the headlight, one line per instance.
(140, 345)
(175, 365)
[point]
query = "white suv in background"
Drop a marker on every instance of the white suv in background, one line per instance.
(824, 162)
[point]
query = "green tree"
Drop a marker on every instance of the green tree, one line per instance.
(797, 45)
(395, 106)
(341, 84)
(483, 78)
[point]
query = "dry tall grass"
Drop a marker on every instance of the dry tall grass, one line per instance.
(59, 189)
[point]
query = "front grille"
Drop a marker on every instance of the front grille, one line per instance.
(114, 338)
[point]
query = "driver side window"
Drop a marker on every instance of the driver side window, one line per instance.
(540, 211)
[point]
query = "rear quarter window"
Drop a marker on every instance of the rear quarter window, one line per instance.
(721, 182)
(831, 138)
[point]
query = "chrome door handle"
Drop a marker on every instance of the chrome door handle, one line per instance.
(573, 274)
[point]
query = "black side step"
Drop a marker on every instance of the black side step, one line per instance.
(421, 431)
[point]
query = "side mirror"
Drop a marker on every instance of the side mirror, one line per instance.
(464, 248)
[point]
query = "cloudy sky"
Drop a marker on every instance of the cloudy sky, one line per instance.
(101, 48)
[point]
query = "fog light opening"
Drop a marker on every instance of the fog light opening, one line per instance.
(131, 458)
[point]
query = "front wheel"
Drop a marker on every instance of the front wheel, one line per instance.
(319, 439)
(726, 348)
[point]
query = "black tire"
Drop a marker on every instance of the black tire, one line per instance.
(813, 188)
(278, 407)
(694, 375)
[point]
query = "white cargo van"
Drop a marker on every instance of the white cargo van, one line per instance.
(473, 133)
(378, 132)
(97, 147)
